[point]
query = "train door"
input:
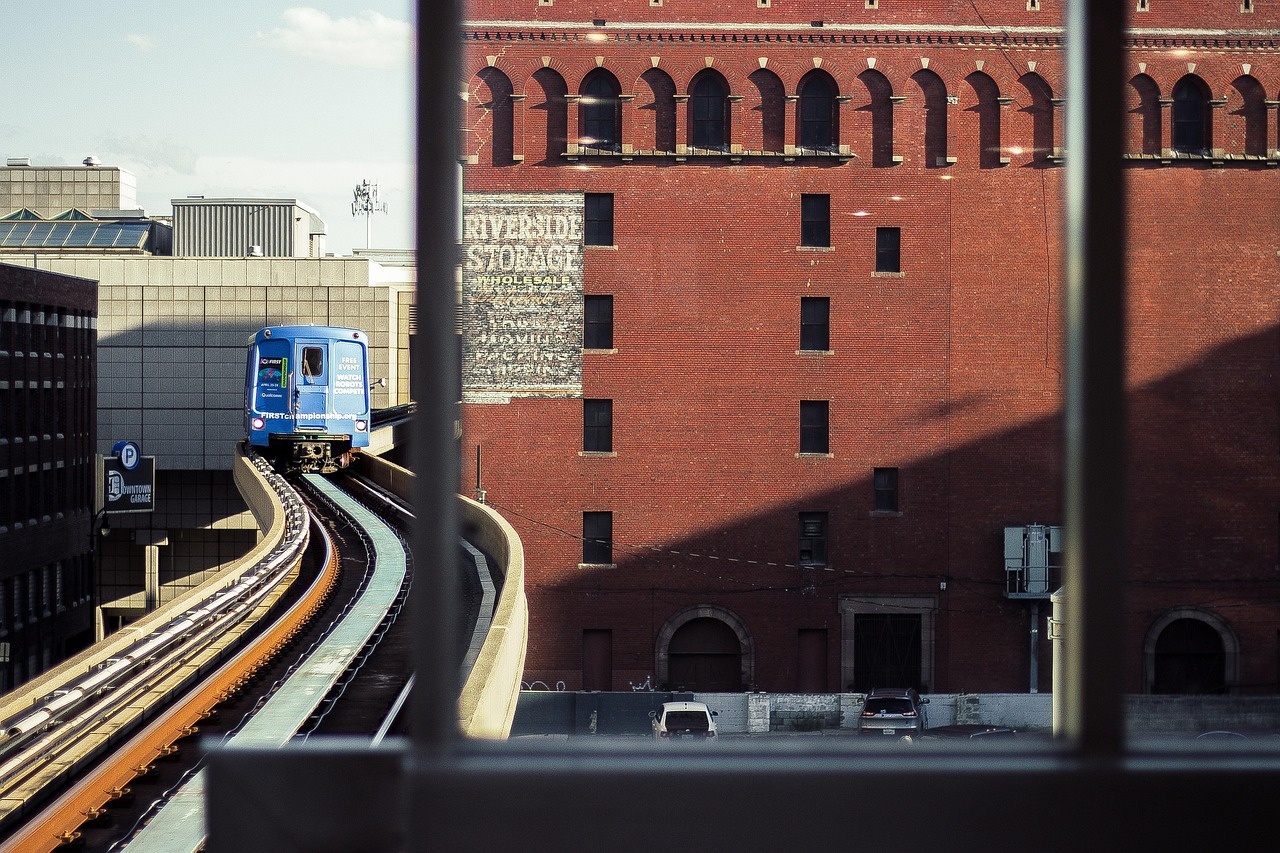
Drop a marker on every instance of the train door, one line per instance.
(311, 383)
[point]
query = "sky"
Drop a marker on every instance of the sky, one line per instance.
(228, 99)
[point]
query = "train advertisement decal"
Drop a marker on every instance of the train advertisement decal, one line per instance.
(273, 372)
(521, 295)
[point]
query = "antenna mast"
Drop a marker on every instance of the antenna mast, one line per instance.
(365, 202)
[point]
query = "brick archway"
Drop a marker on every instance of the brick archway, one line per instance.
(1227, 637)
(662, 644)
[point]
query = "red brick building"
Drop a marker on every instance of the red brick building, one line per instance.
(762, 338)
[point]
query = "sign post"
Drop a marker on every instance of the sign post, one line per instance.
(126, 483)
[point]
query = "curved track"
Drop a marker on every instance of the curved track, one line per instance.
(377, 560)
(93, 811)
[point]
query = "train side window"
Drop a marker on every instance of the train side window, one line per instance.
(312, 361)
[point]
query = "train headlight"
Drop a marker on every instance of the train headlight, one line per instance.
(362, 425)
(258, 423)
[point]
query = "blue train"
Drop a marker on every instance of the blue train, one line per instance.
(306, 396)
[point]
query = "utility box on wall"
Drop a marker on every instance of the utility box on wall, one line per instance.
(1032, 560)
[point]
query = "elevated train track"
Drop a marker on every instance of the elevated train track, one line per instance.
(184, 674)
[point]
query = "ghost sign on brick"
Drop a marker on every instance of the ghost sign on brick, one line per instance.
(521, 295)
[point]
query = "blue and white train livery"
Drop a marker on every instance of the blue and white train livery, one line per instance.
(306, 400)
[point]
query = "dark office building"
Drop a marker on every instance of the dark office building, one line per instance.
(48, 387)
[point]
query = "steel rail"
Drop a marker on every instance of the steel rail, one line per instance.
(59, 821)
(179, 824)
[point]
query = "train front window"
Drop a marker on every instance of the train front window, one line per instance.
(312, 362)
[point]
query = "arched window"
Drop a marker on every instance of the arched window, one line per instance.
(601, 111)
(817, 112)
(1190, 116)
(708, 112)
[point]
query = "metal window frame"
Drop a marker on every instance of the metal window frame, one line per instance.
(1089, 791)
(597, 330)
(594, 223)
(815, 231)
(885, 498)
(888, 257)
(593, 543)
(815, 433)
(817, 331)
(597, 425)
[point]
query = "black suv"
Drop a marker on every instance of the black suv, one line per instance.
(893, 711)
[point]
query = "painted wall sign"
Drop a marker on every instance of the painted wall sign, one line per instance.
(521, 295)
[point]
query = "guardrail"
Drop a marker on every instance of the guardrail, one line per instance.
(487, 704)
(255, 485)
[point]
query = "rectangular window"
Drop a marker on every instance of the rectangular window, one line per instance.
(885, 484)
(813, 538)
(815, 323)
(597, 426)
(888, 250)
(815, 220)
(813, 426)
(597, 316)
(597, 538)
(598, 215)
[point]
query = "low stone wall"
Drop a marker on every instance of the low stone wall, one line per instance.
(763, 712)
(758, 713)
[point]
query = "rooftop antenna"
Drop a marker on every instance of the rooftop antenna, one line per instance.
(365, 201)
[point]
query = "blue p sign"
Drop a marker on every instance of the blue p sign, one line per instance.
(129, 454)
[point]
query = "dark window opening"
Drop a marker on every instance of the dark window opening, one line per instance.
(885, 486)
(1190, 106)
(708, 107)
(817, 114)
(813, 538)
(597, 426)
(601, 113)
(598, 219)
(815, 323)
(815, 219)
(814, 436)
(312, 361)
(888, 250)
(597, 538)
(597, 315)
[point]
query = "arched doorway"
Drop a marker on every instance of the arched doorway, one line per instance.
(704, 649)
(1190, 653)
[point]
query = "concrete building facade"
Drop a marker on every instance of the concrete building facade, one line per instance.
(171, 338)
(798, 427)
(47, 437)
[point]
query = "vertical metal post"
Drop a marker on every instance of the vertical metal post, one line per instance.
(1035, 647)
(434, 451)
(1095, 370)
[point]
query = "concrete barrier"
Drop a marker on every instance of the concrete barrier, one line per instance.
(487, 705)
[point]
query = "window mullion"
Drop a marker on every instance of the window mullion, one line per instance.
(1088, 706)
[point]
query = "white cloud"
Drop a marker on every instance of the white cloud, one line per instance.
(148, 153)
(369, 40)
(140, 42)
